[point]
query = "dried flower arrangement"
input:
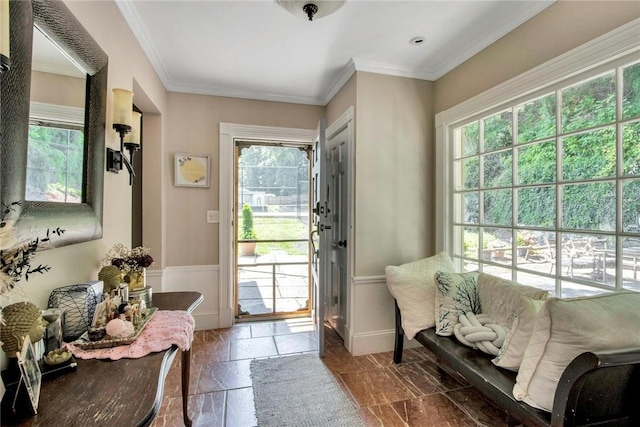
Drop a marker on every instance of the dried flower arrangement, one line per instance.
(126, 259)
(15, 259)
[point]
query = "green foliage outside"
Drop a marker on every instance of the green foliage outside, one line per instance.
(280, 228)
(588, 153)
(248, 233)
(274, 170)
(55, 161)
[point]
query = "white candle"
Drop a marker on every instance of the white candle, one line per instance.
(122, 105)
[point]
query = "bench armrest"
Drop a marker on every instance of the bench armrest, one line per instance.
(599, 387)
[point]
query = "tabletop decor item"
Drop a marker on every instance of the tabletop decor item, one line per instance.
(85, 342)
(131, 262)
(31, 375)
(163, 329)
(78, 302)
(111, 276)
(20, 321)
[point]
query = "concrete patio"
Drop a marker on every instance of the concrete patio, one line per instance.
(275, 278)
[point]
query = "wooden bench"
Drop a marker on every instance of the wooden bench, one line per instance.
(595, 389)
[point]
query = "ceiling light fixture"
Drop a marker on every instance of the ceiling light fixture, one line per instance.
(310, 9)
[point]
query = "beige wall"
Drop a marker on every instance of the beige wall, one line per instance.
(394, 171)
(57, 89)
(559, 28)
(193, 126)
(345, 98)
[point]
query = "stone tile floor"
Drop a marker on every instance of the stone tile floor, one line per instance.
(416, 392)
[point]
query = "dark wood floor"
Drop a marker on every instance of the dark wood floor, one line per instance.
(418, 392)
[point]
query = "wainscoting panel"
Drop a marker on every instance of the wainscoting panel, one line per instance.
(374, 320)
(198, 278)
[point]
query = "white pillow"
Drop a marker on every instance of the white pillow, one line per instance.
(456, 294)
(500, 298)
(517, 340)
(413, 287)
(566, 328)
(510, 304)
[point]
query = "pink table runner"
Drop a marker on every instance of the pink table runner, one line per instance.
(165, 328)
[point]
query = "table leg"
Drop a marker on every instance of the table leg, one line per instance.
(186, 368)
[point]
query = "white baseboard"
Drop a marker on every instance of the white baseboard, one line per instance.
(372, 342)
(206, 321)
(378, 342)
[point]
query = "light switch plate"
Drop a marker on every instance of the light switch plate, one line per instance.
(213, 217)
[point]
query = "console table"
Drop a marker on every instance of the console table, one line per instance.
(125, 392)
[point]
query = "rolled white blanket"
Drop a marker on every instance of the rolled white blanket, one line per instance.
(478, 331)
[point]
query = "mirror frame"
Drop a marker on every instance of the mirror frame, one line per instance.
(81, 221)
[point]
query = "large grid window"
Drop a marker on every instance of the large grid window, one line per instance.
(546, 190)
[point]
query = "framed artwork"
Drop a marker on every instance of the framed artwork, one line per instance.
(192, 170)
(30, 374)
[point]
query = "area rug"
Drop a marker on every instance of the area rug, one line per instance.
(299, 391)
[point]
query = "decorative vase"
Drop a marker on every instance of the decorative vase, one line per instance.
(137, 279)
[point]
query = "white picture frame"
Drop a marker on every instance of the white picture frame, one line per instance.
(30, 374)
(192, 170)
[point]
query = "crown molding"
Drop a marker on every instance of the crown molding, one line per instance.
(131, 15)
(244, 94)
(342, 78)
(392, 70)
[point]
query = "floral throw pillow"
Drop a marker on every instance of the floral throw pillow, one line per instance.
(456, 293)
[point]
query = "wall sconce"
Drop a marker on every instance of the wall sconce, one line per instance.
(5, 62)
(127, 123)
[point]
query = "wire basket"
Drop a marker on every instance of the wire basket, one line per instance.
(78, 302)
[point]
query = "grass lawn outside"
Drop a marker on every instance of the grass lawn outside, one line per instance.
(280, 228)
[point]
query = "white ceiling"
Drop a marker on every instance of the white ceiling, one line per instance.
(257, 50)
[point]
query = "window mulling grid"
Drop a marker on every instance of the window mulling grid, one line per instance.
(458, 174)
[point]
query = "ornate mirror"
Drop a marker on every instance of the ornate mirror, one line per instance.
(81, 221)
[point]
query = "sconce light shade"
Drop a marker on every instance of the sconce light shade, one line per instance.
(133, 137)
(5, 62)
(311, 9)
(127, 123)
(122, 103)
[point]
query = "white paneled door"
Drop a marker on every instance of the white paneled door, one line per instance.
(338, 198)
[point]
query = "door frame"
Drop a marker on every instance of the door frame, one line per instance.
(229, 132)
